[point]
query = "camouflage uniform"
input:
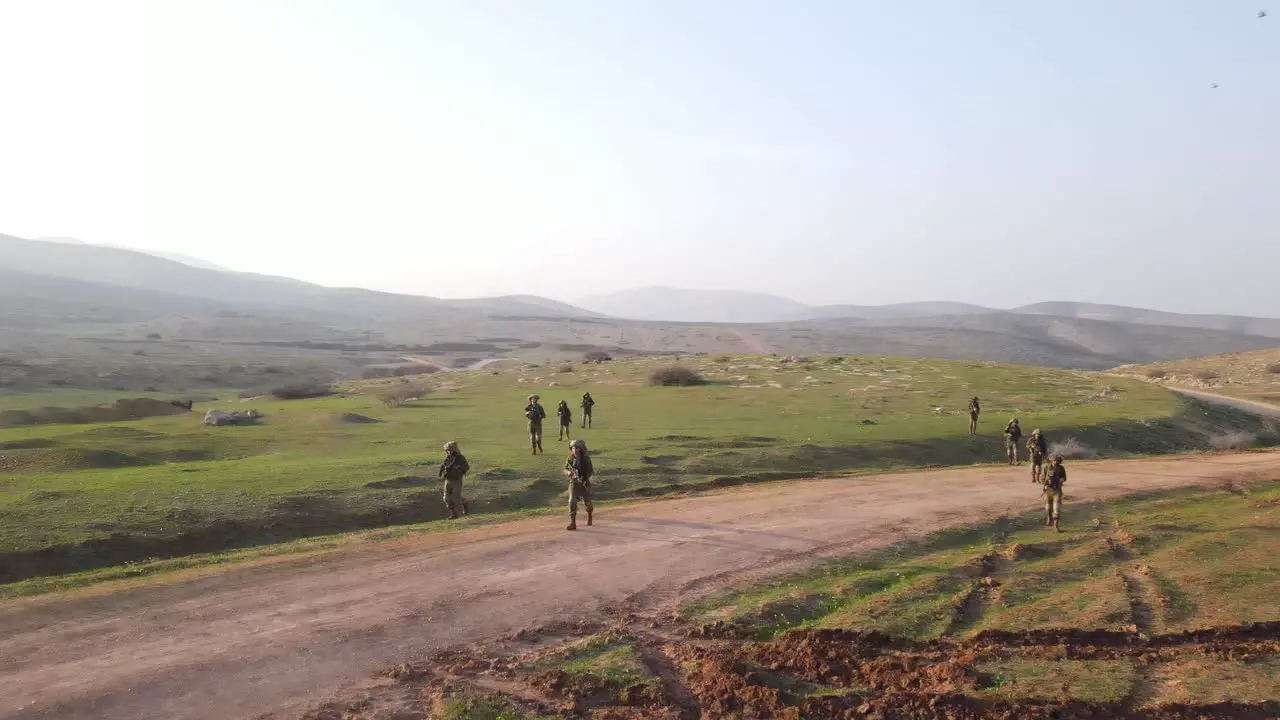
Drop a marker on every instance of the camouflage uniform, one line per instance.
(1012, 434)
(587, 404)
(579, 469)
(974, 410)
(451, 471)
(1038, 448)
(566, 419)
(535, 415)
(1054, 480)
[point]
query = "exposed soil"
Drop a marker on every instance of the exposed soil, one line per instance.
(273, 638)
(813, 674)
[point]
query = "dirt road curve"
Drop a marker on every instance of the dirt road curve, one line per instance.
(1252, 406)
(269, 640)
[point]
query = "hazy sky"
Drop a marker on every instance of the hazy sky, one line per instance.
(858, 151)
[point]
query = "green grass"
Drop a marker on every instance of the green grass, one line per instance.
(87, 497)
(68, 397)
(1202, 557)
(607, 656)
(484, 708)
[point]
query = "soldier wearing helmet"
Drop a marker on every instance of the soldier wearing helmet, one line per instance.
(975, 409)
(1038, 448)
(1055, 478)
(534, 413)
(452, 470)
(1012, 434)
(578, 468)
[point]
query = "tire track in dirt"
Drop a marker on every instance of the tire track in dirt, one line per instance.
(973, 605)
(285, 631)
(1141, 611)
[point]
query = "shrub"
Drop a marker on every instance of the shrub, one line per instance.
(675, 375)
(1238, 440)
(1274, 368)
(1205, 375)
(1072, 448)
(1157, 373)
(597, 356)
(385, 371)
(402, 394)
(565, 368)
(301, 391)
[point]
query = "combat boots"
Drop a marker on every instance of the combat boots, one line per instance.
(465, 510)
(588, 518)
(573, 521)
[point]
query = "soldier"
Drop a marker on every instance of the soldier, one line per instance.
(1012, 434)
(974, 411)
(1038, 448)
(587, 404)
(578, 468)
(1054, 480)
(534, 413)
(566, 419)
(452, 470)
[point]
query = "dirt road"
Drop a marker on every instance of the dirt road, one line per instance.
(272, 639)
(1251, 406)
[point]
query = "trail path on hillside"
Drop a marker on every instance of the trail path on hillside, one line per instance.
(1251, 406)
(272, 638)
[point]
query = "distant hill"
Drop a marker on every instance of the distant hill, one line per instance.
(110, 266)
(176, 257)
(683, 305)
(1267, 327)
(899, 310)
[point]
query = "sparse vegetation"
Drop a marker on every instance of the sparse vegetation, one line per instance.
(302, 391)
(402, 394)
(1206, 375)
(597, 356)
(1157, 373)
(1249, 375)
(675, 375)
(87, 496)
(384, 371)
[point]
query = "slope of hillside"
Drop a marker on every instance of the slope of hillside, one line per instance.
(898, 310)
(1266, 327)
(684, 305)
(1248, 375)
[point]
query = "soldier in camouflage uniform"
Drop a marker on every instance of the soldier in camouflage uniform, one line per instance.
(974, 410)
(565, 416)
(1012, 434)
(1053, 482)
(578, 468)
(534, 413)
(587, 404)
(451, 471)
(1038, 448)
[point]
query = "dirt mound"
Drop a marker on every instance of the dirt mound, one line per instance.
(121, 410)
(403, 481)
(68, 459)
(28, 444)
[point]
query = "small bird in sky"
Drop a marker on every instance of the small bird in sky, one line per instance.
(1213, 86)
(1262, 14)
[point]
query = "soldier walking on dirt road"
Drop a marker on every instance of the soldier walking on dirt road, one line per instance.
(578, 468)
(1038, 448)
(974, 410)
(587, 404)
(1012, 434)
(1054, 480)
(534, 413)
(452, 470)
(565, 416)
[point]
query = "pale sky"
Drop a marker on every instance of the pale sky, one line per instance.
(834, 151)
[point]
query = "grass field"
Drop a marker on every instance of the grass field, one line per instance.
(1250, 375)
(1155, 606)
(79, 497)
